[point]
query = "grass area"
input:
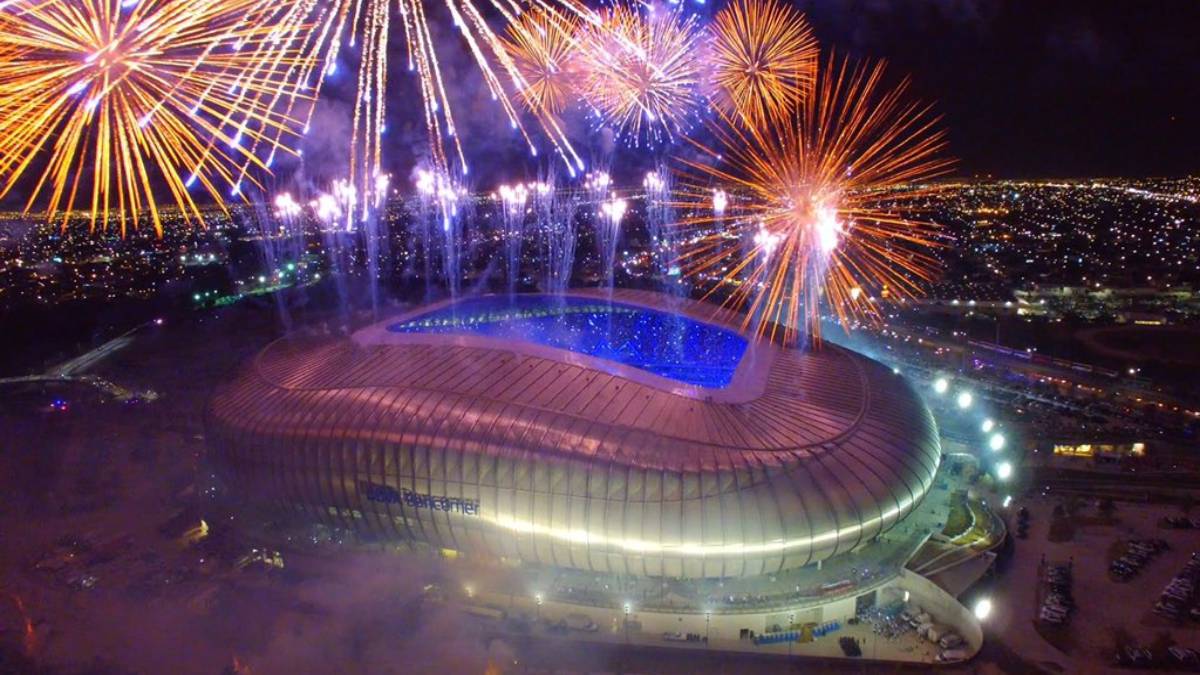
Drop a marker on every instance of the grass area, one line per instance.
(982, 530)
(959, 520)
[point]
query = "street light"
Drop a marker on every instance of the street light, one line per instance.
(983, 608)
(996, 442)
(965, 399)
(1004, 470)
(940, 385)
(988, 425)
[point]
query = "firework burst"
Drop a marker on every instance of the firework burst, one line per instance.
(640, 71)
(815, 208)
(367, 23)
(761, 59)
(542, 47)
(123, 99)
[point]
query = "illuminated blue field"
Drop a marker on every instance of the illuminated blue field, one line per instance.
(664, 344)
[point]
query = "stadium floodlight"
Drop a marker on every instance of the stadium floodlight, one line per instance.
(940, 385)
(965, 399)
(988, 425)
(996, 442)
(1004, 470)
(983, 608)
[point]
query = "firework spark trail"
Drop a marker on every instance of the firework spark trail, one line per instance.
(443, 200)
(214, 83)
(608, 231)
(819, 195)
(366, 22)
(640, 71)
(542, 47)
(512, 200)
(660, 215)
(555, 211)
(761, 58)
(141, 94)
(291, 27)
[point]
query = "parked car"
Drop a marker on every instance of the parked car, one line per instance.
(952, 655)
(1184, 655)
(950, 641)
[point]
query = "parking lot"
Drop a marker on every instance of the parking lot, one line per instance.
(1105, 614)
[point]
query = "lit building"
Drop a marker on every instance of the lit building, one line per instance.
(517, 449)
(642, 439)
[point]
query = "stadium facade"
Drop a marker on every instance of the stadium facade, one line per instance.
(675, 449)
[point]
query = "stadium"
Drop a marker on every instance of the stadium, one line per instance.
(640, 437)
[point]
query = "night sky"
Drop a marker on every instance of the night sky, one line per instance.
(1033, 88)
(1026, 88)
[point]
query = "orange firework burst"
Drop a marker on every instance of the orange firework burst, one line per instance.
(542, 46)
(814, 207)
(762, 57)
(136, 97)
(641, 70)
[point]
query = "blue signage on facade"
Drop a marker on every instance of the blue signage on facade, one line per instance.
(387, 494)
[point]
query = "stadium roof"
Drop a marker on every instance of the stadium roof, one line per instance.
(838, 446)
